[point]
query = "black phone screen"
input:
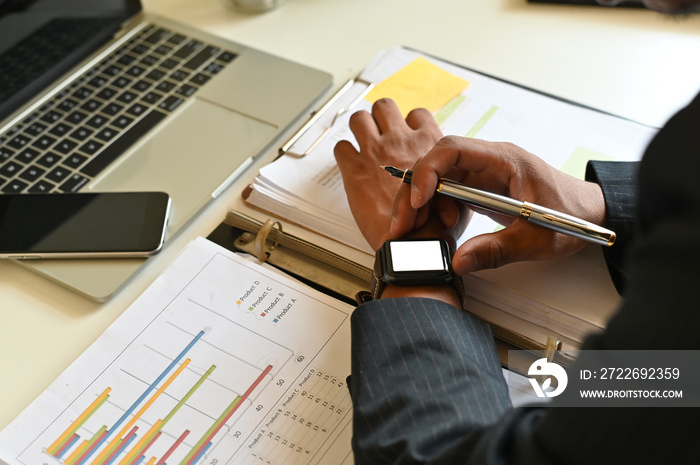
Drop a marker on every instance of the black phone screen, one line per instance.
(130, 223)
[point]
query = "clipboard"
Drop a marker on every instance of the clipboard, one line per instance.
(320, 124)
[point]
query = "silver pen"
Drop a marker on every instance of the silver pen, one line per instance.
(541, 216)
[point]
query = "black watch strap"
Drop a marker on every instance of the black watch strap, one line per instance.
(377, 284)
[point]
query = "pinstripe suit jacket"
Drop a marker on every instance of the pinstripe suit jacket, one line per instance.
(426, 381)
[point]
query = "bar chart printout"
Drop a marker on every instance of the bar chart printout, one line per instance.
(219, 361)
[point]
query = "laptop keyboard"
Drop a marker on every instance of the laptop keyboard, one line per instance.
(79, 132)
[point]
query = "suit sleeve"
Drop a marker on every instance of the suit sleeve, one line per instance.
(419, 367)
(618, 180)
(427, 387)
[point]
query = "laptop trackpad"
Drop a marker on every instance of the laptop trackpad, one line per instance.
(189, 157)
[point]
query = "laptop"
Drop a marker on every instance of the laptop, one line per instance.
(98, 96)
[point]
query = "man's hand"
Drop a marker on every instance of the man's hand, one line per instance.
(508, 170)
(384, 138)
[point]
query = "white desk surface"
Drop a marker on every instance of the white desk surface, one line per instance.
(630, 62)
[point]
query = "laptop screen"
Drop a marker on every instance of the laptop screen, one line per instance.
(42, 39)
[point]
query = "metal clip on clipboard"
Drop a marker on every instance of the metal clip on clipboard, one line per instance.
(321, 123)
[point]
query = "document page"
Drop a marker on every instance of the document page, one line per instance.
(220, 360)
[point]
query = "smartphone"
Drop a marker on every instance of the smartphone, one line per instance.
(90, 225)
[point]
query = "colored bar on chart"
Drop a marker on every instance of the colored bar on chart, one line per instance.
(213, 429)
(158, 426)
(143, 409)
(201, 454)
(68, 433)
(67, 446)
(90, 447)
(148, 446)
(482, 122)
(173, 447)
(155, 383)
(109, 449)
(77, 452)
(445, 112)
(189, 394)
(135, 452)
(122, 445)
(230, 410)
(71, 458)
(100, 458)
(182, 402)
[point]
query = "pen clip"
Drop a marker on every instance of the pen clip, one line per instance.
(591, 229)
(563, 221)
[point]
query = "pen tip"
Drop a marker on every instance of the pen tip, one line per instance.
(397, 173)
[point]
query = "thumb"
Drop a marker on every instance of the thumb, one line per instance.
(490, 250)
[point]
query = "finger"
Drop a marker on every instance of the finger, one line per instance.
(364, 128)
(387, 115)
(520, 241)
(427, 172)
(346, 156)
(470, 157)
(420, 118)
(344, 148)
(403, 217)
(423, 186)
(448, 211)
(422, 217)
(481, 252)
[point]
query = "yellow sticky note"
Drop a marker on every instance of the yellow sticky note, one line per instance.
(419, 84)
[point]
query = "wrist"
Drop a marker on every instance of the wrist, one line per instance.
(585, 199)
(596, 201)
(446, 293)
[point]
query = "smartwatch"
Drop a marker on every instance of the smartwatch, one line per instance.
(412, 262)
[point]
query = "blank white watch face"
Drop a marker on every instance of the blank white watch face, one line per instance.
(417, 256)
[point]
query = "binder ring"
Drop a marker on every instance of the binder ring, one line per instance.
(261, 239)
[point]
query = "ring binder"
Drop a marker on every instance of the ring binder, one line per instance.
(332, 272)
(261, 239)
(553, 344)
